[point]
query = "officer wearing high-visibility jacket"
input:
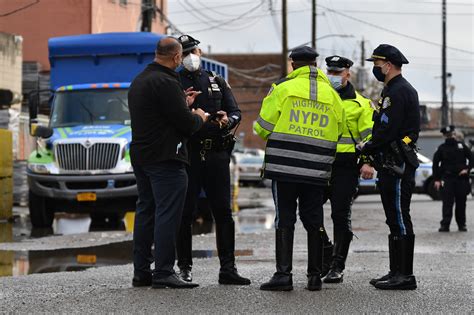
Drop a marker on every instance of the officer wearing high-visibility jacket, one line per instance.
(346, 168)
(302, 119)
(392, 148)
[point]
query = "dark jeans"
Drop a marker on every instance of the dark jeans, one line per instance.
(455, 189)
(396, 197)
(213, 176)
(344, 183)
(161, 193)
(310, 205)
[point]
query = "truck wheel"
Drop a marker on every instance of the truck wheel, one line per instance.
(40, 215)
(432, 192)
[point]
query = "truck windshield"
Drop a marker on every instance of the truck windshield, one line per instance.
(90, 107)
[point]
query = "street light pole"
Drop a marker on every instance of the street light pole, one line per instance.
(284, 54)
(313, 25)
(444, 104)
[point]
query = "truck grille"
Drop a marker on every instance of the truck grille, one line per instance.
(99, 156)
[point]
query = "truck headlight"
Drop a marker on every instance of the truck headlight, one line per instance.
(39, 168)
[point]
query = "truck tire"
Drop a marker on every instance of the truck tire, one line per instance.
(40, 215)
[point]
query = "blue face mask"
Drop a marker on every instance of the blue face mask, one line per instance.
(336, 81)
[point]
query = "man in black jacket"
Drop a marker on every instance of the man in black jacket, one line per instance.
(452, 163)
(161, 124)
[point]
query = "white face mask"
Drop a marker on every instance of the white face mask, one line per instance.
(336, 81)
(192, 62)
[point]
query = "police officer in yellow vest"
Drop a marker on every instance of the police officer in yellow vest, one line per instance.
(302, 119)
(346, 168)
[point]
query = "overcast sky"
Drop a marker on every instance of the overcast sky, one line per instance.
(413, 26)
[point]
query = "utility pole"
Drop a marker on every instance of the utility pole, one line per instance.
(313, 25)
(362, 53)
(284, 54)
(444, 104)
(147, 15)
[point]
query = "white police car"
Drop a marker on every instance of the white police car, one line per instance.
(423, 180)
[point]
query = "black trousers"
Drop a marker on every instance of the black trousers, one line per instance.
(161, 193)
(455, 190)
(212, 175)
(343, 187)
(396, 198)
(309, 200)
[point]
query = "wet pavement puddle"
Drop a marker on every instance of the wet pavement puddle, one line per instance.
(15, 263)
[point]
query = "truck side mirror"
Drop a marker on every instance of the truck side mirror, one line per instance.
(6, 97)
(41, 131)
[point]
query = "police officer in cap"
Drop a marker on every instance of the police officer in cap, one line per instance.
(302, 119)
(210, 150)
(396, 128)
(452, 163)
(346, 168)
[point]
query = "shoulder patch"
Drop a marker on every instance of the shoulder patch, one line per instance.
(386, 102)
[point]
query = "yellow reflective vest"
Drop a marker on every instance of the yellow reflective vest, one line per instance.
(302, 119)
(358, 127)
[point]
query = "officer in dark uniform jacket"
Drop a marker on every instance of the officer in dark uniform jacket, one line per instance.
(452, 163)
(396, 128)
(210, 150)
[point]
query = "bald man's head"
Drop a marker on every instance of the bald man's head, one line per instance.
(169, 52)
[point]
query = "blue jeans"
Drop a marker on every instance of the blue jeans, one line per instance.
(161, 194)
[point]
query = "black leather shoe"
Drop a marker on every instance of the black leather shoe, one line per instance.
(186, 275)
(314, 283)
(172, 281)
(462, 228)
(443, 228)
(383, 278)
(279, 282)
(232, 277)
(397, 282)
(141, 281)
(335, 275)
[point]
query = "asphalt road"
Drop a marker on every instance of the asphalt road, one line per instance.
(443, 267)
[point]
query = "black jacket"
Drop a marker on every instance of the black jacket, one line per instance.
(398, 115)
(161, 121)
(211, 100)
(451, 158)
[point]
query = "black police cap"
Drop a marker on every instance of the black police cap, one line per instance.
(388, 53)
(338, 63)
(303, 53)
(447, 129)
(188, 42)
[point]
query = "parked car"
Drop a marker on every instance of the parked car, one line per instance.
(424, 183)
(250, 169)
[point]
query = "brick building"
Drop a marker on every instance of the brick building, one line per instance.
(250, 76)
(50, 18)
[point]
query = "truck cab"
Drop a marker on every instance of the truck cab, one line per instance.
(82, 161)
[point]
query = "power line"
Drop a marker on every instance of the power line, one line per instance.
(20, 9)
(215, 7)
(402, 13)
(393, 32)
